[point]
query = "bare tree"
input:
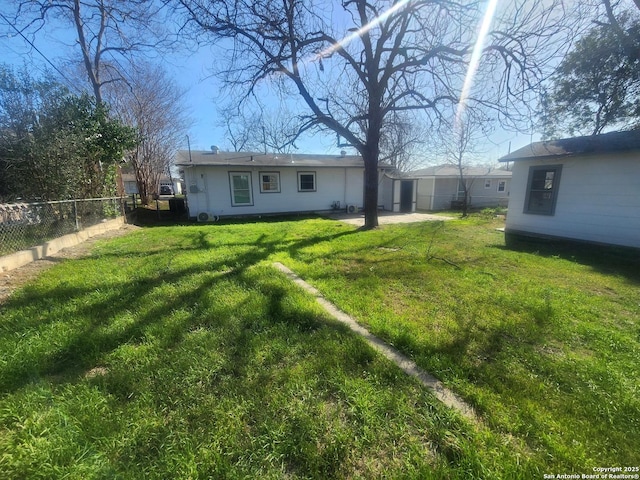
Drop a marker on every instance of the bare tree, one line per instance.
(154, 105)
(403, 139)
(239, 128)
(258, 130)
(357, 63)
(460, 145)
(279, 131)
(108, 32)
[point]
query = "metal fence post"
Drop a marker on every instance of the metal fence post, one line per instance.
(75, 214)
(24, 225)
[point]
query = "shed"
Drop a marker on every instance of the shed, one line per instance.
(582, 188)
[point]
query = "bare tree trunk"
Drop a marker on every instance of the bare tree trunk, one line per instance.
(370, 191)
(92, 74)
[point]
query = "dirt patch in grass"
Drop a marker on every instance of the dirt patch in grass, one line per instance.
(14, 279)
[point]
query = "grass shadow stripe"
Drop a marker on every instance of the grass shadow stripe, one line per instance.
(439, 390)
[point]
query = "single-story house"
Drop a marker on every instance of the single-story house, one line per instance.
(439, 187)
(252, 183)
(582, 188)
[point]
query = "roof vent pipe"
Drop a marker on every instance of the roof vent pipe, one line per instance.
(343, 153)
(215, 149)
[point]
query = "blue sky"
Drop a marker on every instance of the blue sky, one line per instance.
(194, 73)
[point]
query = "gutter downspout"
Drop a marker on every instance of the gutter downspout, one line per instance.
(344, 197)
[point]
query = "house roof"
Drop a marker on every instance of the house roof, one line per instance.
(588, 145)
(451, 171)
(261, 159)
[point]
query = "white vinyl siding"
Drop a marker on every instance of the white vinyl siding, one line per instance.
(597, 201)
(212, 191)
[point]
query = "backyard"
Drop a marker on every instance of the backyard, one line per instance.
(181, 352)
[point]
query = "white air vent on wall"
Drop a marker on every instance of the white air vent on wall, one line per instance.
(352, 209)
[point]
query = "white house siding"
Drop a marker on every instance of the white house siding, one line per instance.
(437, 193)
(385, 192)
(426, 187)
(209, 190)
(598, 200)
(488, 197)
(446, 189)
(395, 206)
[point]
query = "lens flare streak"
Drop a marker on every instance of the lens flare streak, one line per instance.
(474, 62)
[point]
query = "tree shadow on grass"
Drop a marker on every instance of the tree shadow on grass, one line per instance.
(609, 260)
(149, 218)
(86, 312)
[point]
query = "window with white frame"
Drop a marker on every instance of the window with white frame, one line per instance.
(502, 185)
(542, 189)
(240, 183)
(487, 183)
(269, 182)
(306, 181)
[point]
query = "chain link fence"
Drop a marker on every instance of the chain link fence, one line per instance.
(24, 225)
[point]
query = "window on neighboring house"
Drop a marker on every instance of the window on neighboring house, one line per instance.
(306, 181)
(502, 185)
(542, 189)
(240, 188)
(487, 183)
(269, 182)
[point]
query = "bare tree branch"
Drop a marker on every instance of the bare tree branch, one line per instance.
(379, 59)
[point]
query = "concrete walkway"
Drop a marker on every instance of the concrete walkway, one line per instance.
(438, 389)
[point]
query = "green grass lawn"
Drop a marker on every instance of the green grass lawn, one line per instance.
(179, 352)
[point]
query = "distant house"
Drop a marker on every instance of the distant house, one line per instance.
(439, 187)
(250, 183)
(583, 188)
(131, 186)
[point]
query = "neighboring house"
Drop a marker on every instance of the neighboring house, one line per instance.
(131, 186)
(439, 188)
(248, 183)
(583, 188)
